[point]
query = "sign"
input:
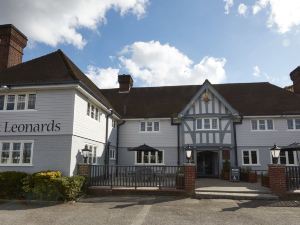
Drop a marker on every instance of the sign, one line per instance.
(46, 127)
(235, 174)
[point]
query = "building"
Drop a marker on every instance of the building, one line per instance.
(49, 112)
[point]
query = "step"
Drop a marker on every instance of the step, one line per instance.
(233, 191)
(235, 196)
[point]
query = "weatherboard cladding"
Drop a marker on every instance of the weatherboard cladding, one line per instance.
(249, 99)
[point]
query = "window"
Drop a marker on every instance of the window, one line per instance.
(93, 112)
(262, 125)
(112, 154)
(17, 102)
(287, 158)
(2, 97)
(207, 124)
(92, 155)
(293, 124)
(250, 157)
(10, 105)
(149, 126)
(31, 101)
(149, 157)
(21, 102)
(16, 153)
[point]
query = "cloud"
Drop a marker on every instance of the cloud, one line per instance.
(256, 71)
(103, 78)
(242, 9)
(54, 22)
(228, 5)
(155, 64)
(283, 15)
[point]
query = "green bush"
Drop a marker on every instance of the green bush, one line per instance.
(11, 184)
(50, 185)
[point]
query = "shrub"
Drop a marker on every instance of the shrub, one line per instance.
(50, 185)
(11, 184)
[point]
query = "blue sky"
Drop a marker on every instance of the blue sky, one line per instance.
(239, 46)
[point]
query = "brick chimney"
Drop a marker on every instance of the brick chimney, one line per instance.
(12, 43)
(125, 83)
(295, 77)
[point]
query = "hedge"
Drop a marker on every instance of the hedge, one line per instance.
(44, 185)
(11, 184)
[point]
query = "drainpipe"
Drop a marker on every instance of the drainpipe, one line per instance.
(106, 155)
(178, 139)
(117, 145)
(235, 141)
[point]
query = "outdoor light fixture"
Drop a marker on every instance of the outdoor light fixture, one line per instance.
(275, 151)
(188, 151)
(85, 153)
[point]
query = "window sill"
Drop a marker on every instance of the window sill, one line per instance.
(24, 110)
(264, 130)
(149, 164)
(111, 159)
(293, 130)
(251, 164)
(17, 165)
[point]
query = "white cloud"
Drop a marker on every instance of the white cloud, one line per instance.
(256, 71)
(283, 14)
(55, 21)
(242, 9)
(155, 64)
(103, 78)
(228, 5)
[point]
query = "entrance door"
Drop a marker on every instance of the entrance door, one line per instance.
(207, 164)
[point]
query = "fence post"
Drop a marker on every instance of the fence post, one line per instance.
(277, 179)
(84, 170)
(189, 178)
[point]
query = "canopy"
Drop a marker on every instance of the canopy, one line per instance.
(292, 147)
(143, 147)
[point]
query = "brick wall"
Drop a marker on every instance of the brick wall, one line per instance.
(189, 178)
(277, 179)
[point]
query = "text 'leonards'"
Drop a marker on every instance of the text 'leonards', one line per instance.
(51, 126)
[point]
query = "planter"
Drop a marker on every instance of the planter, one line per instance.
(180, 181)
(225, 175)
(265, 181)
(252, 177)
(244, 177)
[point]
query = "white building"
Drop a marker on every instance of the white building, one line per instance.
(49, 111)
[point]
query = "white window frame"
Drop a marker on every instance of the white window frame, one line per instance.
(16, 102)
(149, 160)
(22, 142)
(287, 159)
(210, 123)
(265, 122)
(294, 124)
(93, 113)
(152, 126)
(112, 154)
(250, 157)
(91, 155)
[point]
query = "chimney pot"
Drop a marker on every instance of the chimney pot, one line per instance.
(125, 83)
(295, 77)
(12, 43)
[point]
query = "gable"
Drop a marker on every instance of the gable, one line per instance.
(207, 101)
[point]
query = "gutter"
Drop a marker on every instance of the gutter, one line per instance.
(178, 139)
(117, 144)
(235, 141)
(106, 155)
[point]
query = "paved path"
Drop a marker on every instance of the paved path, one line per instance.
(148, 210)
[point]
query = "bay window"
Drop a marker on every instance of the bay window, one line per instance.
(149, 157)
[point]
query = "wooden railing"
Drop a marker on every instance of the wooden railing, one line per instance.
(293, 177)
(137, 176)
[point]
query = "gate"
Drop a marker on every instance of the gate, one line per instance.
(293, 177)
(137, 176)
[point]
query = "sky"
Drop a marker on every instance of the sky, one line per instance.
(165, 42)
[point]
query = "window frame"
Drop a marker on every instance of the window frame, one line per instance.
(112, 153)
(92, 156)
(287, 159)
(149, 158)
(93, 112)
(210, 123)
(250, 157)
(257, 122)
(146, 122)
(294, 124)
(11, 150)
(16, 101)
